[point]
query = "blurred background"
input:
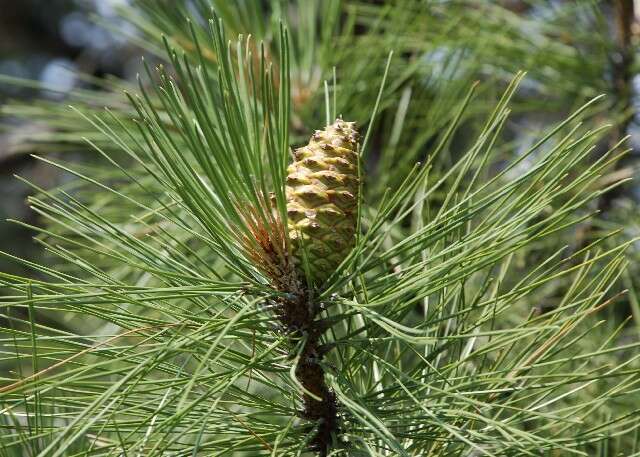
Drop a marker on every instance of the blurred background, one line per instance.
(50, 42)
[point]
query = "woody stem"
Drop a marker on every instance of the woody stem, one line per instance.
(320, 407)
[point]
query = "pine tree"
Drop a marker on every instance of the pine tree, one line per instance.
(230, 291)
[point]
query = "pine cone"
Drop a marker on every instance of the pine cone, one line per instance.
(322, 199)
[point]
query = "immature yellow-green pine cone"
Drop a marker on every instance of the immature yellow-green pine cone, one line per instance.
(322, 199)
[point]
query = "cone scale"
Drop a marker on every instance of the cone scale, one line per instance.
(322, 200)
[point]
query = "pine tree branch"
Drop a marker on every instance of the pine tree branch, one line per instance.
(298, 314)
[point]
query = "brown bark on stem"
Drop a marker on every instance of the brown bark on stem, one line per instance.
(298, 315)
